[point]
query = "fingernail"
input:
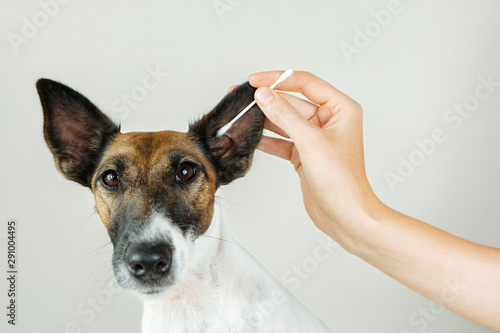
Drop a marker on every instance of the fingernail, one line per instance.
(264, 96)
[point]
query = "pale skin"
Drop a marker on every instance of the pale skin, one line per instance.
(327, 153)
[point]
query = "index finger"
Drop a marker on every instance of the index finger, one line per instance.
(305, 108)
(315, 89)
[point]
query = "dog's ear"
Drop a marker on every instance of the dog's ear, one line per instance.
(232, 153)
(75, 130)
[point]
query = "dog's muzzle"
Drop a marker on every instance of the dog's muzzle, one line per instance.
(151, 256)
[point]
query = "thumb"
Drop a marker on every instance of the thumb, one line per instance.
(281, 113)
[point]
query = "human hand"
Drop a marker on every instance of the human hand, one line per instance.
(327, 148)
(327, 152)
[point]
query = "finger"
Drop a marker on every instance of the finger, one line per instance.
(276, 147)
(231, 88)
(309, 85)
(268, 125)
(305, 108)
(282, 114)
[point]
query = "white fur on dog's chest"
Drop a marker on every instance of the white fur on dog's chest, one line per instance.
(206, 312)
(226, 290)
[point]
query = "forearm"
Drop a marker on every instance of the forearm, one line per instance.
(327, 153)
(458, 274)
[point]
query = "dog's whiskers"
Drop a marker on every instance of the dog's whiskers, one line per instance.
(100, 273)
(80, 230)
(221, 239)
(96, 250)
(233, 203)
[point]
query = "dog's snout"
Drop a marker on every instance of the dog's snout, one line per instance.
(148, 263)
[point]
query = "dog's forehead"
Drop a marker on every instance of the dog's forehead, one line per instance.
(141, 159)
(152, 147)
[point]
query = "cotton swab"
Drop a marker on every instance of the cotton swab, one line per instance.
(226, 127)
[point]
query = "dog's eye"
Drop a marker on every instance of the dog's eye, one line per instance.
(111, 178)
(185, 172)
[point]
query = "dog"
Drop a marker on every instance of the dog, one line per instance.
(155, 194)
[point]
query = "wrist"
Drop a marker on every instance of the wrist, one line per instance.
(356, 228)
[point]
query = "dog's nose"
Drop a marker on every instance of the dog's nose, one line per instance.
(148, 262)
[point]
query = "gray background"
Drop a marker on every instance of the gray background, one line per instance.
(429, 57)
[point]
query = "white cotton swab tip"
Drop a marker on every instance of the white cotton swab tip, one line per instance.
(286, 74)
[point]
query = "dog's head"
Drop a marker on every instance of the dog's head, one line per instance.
(154, 191)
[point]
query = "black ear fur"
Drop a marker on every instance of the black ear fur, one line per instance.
(75, 130)
(231, 154)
